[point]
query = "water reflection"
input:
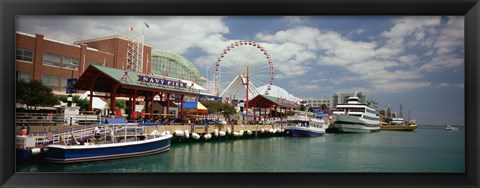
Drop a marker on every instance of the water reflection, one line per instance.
(425, 150)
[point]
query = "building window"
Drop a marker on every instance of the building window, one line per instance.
(70, 63)
(51, 81)
(24, 55)
(27, 76)
(51, 59)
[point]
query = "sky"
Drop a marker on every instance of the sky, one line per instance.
(416, 61)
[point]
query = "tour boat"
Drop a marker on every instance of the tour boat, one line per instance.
(304, 126)
(355, 117)
(117, 141)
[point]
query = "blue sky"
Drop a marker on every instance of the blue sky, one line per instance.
(417, 61)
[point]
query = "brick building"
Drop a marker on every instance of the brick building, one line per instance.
(53, 62)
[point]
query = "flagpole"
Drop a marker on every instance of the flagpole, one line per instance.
(148, 69)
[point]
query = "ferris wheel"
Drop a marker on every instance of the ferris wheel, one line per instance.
(238, 61)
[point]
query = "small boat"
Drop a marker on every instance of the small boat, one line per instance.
(300, 125)
(118, 141)
(451, 128)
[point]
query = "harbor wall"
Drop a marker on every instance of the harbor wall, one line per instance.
(200, 129)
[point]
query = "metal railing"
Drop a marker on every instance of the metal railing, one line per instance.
(53, 119)
(67, 135)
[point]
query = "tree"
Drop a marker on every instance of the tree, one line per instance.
(120, 104)
(34, 94)
(218, 107)
(289, 113)
(302, 107)
(324, 107)
(84, 104)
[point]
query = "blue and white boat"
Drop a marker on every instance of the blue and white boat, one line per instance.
(301, 125)
(117, 141)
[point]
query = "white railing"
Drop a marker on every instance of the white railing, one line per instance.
(53, 119)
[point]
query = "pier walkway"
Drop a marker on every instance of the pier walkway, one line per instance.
(67, 132)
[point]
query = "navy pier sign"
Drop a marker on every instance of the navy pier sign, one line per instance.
(159, 81)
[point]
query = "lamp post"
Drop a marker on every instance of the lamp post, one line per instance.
(70, 98)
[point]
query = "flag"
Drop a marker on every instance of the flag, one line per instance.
(49, 136)
(146, 25)
(131, 28)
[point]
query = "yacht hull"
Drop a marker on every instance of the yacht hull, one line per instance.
(353, 124)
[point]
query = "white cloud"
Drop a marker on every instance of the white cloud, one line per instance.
(358, 57)
(449, 42)
(410, 59)
(408, 32)
(304, 36)
(172, 33)
(179, 34)
(295, 19)
(394, 66)
(400, 86)
(355, 32)
(395, 60)
(449, 85)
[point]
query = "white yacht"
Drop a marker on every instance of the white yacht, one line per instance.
(355, 117)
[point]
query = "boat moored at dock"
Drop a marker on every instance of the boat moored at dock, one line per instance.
(355, 117)
(119, 141)
(301, 125)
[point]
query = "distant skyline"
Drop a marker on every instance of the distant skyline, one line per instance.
(417, 61)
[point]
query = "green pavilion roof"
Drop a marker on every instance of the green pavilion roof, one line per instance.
(265, 101)
(104, 79)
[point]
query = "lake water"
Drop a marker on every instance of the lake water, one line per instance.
(427, 149)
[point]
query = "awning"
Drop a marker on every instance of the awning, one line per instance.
(195, 105)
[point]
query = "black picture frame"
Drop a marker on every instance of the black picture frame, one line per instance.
(469, 8)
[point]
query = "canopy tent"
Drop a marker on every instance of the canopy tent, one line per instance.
(195, 105)
(97, 102)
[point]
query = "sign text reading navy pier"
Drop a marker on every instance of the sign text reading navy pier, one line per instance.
(159, 81)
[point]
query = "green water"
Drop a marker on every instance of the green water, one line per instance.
(428, 149)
